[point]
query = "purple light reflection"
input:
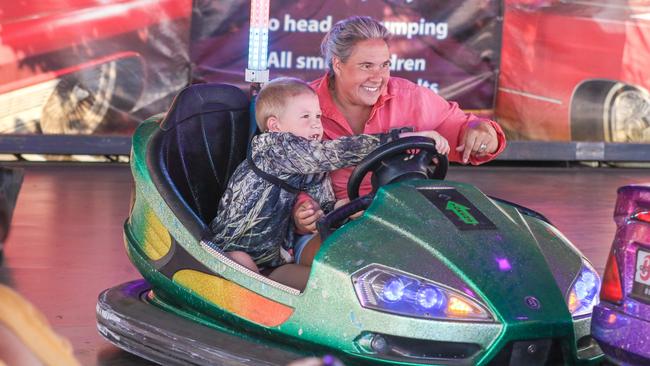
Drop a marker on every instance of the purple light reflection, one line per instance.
(504, 264)
(469, 292)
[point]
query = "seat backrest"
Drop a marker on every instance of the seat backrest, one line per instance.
(201, 141)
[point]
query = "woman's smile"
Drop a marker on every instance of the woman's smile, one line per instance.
(361, 79)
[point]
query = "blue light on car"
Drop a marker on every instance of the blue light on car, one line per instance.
(393, 290)
(388, 290)
(430, 298)
(586, 286)
(583, 295)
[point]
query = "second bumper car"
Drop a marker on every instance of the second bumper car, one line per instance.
(621, 321)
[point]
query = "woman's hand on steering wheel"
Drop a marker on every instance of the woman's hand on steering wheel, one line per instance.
(388, 164)
(442, 145)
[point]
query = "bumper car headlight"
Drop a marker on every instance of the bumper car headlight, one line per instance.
(584, 291)
(388, 290)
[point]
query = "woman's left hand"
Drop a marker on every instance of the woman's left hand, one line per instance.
(480, 139)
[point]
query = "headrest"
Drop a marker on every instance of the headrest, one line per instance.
(202, 98)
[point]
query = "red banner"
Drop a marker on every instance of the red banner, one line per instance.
(576, 70)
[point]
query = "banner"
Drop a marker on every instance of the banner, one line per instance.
(100, 67)
(576, 70)
(451, 47)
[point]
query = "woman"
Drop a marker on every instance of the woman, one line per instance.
(358, 95)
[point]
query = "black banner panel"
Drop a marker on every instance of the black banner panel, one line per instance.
(458, 209)
(451, 47)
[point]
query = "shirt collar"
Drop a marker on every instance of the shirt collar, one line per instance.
(329, 109)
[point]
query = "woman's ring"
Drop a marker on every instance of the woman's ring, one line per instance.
(482, 147)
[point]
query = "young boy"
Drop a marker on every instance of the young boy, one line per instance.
(253, 224)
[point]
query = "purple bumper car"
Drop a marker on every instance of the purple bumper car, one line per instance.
(621, 323)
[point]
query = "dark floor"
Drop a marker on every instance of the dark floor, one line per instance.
(66, 240)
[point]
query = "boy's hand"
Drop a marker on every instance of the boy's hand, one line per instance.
(306, 215)
(442, 145)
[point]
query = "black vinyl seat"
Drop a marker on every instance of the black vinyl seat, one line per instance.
(201, 141)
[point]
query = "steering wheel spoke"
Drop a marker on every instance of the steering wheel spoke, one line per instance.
(425, 157)
(391, 163)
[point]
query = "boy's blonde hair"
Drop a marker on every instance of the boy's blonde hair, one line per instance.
(275, 95)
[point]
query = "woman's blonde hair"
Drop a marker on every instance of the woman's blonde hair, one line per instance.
(346, 33)
(275, 95)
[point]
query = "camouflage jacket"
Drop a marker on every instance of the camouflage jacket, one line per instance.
(254, 214)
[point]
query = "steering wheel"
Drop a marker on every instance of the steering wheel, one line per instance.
(392, 163)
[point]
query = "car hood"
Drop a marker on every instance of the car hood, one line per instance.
(519, 266)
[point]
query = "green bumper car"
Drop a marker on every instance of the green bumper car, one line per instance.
(434, 272)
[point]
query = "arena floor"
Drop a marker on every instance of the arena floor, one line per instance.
(66, 244)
